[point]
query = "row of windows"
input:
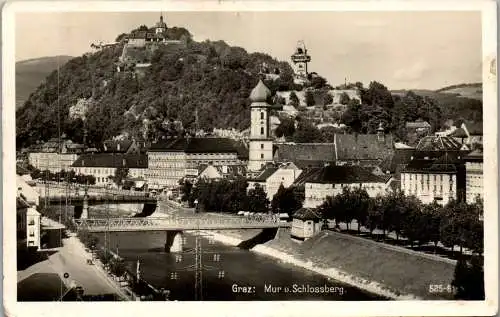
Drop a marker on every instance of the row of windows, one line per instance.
(424, 176)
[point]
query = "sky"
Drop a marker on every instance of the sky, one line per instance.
(402, 50)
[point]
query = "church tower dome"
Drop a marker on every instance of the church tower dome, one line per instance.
(261, 142)
(260, 93)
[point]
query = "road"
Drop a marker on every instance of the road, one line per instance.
(72, 259)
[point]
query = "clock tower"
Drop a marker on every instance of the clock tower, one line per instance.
(261, 143)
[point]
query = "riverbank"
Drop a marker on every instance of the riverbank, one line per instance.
(367, 265)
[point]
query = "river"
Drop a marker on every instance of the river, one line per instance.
(229, 273)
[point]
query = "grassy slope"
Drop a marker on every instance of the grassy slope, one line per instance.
(399, 270)
(30, 74)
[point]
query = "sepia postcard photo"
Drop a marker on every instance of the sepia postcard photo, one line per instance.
(250, 158)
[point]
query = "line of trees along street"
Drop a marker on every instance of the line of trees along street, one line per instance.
(455, 224)
(67, 176)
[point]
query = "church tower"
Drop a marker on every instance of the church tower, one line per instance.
(161, 26)
(261, 143)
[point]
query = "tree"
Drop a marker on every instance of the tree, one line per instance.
(309, 98)
(120, 37)
(468, 279)
(186, 191)
(257, 200)
(344, 99)
(318, 82)
(360, 204)
(327, 99)
(307, 133)
(286, 128)
(121, 173)
(286, 201)
(294, 100)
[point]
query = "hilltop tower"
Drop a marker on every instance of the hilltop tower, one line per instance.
(261, 144)
(160, 26)
(300, 59)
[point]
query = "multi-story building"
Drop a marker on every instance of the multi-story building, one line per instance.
(104, 165)
(331, 180)
(54, 155)
(171, 160)
(474, 176)
(431, 179)
(28, 224)
(271, 178)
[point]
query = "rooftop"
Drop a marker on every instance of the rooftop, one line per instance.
(201, 145)
(307, 214)
(438, 143)
(260, 93)
(418, 124)
(302, 154)
(363, 147)
(340, 175)
(264, 175)
(435, 166)
(112, 160)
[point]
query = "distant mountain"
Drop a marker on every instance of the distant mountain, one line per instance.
(30, 74)
(471, 91)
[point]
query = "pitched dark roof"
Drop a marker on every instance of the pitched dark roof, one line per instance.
(198, 145)
(340, 175)
(438, 143)
(112, 160)
(302, 153)
(434, 166)
(117, 146)
(400, 157)
(363, 147)
(264, 175)
(459, 133)
(307, 214)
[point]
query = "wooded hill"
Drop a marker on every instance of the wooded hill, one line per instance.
(208, 80)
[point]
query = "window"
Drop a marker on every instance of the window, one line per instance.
(262, 130)
(261, 155)
(262, 146)
(31, 222)
(262, 115)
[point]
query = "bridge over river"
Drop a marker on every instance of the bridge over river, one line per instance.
(174, 226)
(82, 202)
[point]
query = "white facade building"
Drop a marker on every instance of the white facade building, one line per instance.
(430, 180)
(474, 176)
(273, 177)
(331, 180)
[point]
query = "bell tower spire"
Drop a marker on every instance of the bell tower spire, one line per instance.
(261, 143)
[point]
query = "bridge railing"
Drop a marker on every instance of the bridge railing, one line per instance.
(170, 222)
